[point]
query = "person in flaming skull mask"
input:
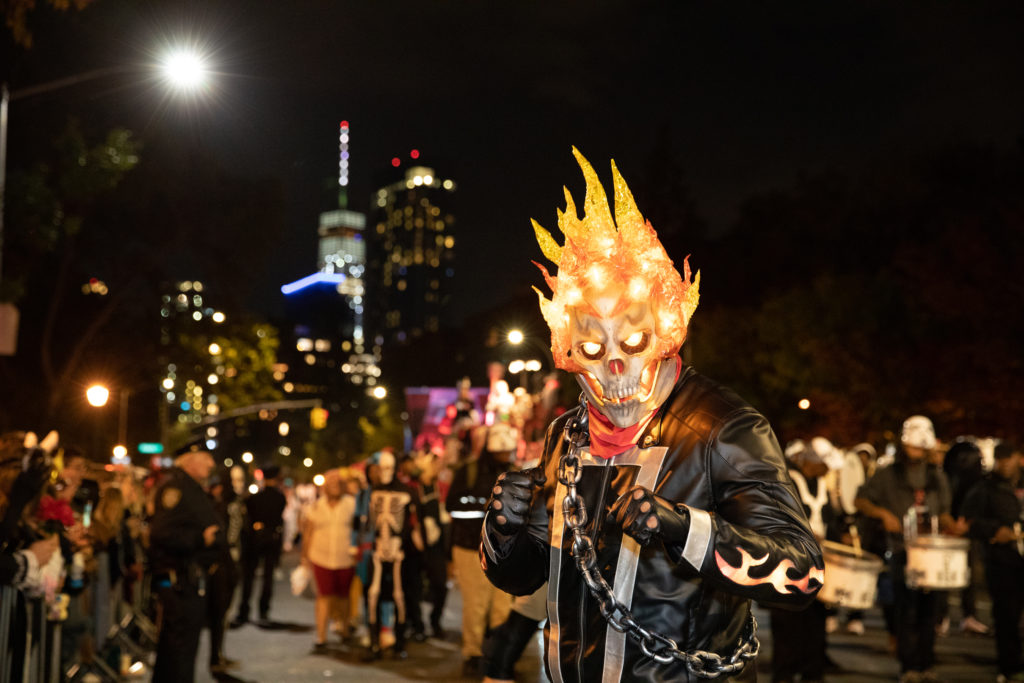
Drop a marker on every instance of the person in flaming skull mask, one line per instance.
(662, 505)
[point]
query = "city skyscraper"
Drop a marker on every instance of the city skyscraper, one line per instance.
(327, 346)
(412, 255)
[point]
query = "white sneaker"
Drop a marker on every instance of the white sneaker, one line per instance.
(856, 627)
(831, 624)
(972, 625)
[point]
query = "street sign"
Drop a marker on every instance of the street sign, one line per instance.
(149, 447)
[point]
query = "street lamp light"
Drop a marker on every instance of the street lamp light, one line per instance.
(515, 337)
(97, 395)
(185, 69)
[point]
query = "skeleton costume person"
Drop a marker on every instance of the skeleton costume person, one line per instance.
(662, 506)
(392, 518)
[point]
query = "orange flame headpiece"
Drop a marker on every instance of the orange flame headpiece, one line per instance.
(601, 253)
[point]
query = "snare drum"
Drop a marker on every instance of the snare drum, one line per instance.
(937, 562)
(850, 577)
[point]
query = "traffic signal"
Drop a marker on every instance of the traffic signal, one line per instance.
(318, 418)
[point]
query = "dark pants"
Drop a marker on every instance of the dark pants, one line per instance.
(915, 626)
(1005, 586)
(798, 639)
(436, 567)
(220, 589)
(412, 587)
(182, 615)
(250, 560)
(505, 644)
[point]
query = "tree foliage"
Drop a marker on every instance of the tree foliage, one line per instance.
(876, 298)
(17, 15)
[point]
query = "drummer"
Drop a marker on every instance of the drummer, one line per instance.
(918, 490)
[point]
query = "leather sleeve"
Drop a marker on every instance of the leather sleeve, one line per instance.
(519, 564)
(759, 542)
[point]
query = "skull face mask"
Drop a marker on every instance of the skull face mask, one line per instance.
(619, 309)
(387, 467)
(622, 375)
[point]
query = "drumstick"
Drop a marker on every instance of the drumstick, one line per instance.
(855, 535)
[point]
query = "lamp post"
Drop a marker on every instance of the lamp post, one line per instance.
(98, 395)
(517, 338)
(183, 69)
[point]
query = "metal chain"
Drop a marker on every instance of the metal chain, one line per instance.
(659, 647)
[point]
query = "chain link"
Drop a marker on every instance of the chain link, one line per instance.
(659, 647)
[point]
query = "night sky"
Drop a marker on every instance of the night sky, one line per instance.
(750, 96)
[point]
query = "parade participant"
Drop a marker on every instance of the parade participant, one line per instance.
(798, 637)
(433, 518)
(963, 466)
(995, 511)
(394, 521)
(407, 475)
(327, 550)
(261, 545)
(483, 605)
(223, 573)
(911, 484)
(679, 512)
(185, 540)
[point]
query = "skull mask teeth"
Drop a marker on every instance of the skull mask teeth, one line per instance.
(622, 374)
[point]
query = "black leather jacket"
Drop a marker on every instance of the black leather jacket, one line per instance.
(710, 451)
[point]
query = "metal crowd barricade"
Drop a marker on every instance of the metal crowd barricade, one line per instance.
(37, 659)
(8, 599)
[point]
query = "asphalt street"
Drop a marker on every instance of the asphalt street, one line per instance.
(282, 653)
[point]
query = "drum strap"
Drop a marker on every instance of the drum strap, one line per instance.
(815, 503)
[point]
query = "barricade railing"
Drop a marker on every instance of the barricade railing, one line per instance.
(31, 632)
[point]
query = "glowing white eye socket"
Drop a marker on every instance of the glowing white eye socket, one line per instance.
(592, 350)
(636, 342)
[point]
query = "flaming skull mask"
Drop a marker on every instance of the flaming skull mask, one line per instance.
(619, 308)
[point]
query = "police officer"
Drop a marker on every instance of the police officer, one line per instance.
(261, 544)
(185, 541)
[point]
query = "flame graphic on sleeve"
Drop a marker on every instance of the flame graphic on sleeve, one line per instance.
(778, 578)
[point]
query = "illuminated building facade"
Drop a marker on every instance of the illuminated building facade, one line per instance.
(412, 255)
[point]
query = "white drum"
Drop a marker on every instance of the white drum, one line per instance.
(937, 562)
(851, 577)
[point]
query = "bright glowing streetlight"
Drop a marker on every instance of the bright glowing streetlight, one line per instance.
(515, 336)
(247, 457)
(185, 69)
(214, 349)
(318, 480)
(516, 366)
(97, 395)
(120, 451)
(379, 392)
